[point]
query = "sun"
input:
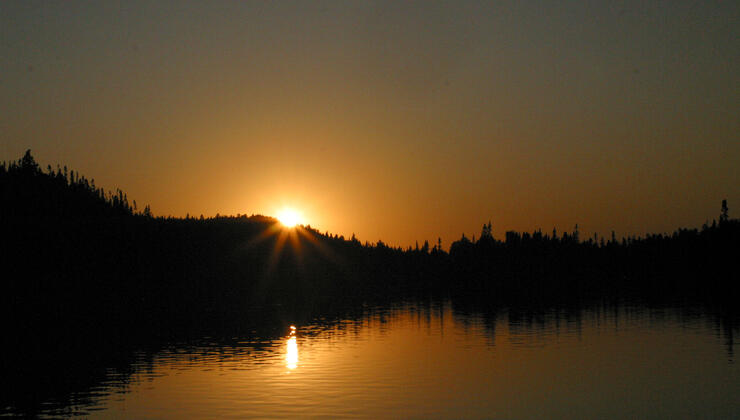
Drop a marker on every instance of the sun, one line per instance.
(289, 217)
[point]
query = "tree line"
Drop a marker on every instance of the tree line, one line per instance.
(76, 252)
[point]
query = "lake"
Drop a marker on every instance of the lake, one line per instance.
(433, 360)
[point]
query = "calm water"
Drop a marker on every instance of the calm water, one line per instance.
(438, 361)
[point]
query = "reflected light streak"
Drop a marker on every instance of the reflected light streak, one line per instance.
(291, 356)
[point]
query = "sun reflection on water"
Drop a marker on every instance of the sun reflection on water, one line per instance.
(291, 355)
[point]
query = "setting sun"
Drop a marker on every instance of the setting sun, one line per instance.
(289, 217)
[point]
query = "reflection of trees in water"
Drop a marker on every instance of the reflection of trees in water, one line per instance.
(528, 323)
(51, 373)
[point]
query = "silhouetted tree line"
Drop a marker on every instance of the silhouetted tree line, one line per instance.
(689, 262)
(73, 252)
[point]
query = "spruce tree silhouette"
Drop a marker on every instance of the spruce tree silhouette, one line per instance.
(28, 163)
(724, 213)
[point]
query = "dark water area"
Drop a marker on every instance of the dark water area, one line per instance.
(415, 358)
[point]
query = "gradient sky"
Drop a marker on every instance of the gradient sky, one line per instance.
(398, 121)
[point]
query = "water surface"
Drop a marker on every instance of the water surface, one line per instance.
(438, 361)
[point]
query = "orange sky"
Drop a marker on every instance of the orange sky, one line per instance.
(399, 122)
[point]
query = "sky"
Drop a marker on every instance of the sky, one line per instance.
(400, 121)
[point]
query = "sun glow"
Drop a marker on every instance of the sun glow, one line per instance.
(289, 217)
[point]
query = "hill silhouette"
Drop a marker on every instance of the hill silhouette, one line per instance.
(74, 253)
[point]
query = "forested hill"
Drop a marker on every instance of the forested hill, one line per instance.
(70, 250)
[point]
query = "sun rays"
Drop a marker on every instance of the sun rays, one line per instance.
(291, 241)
